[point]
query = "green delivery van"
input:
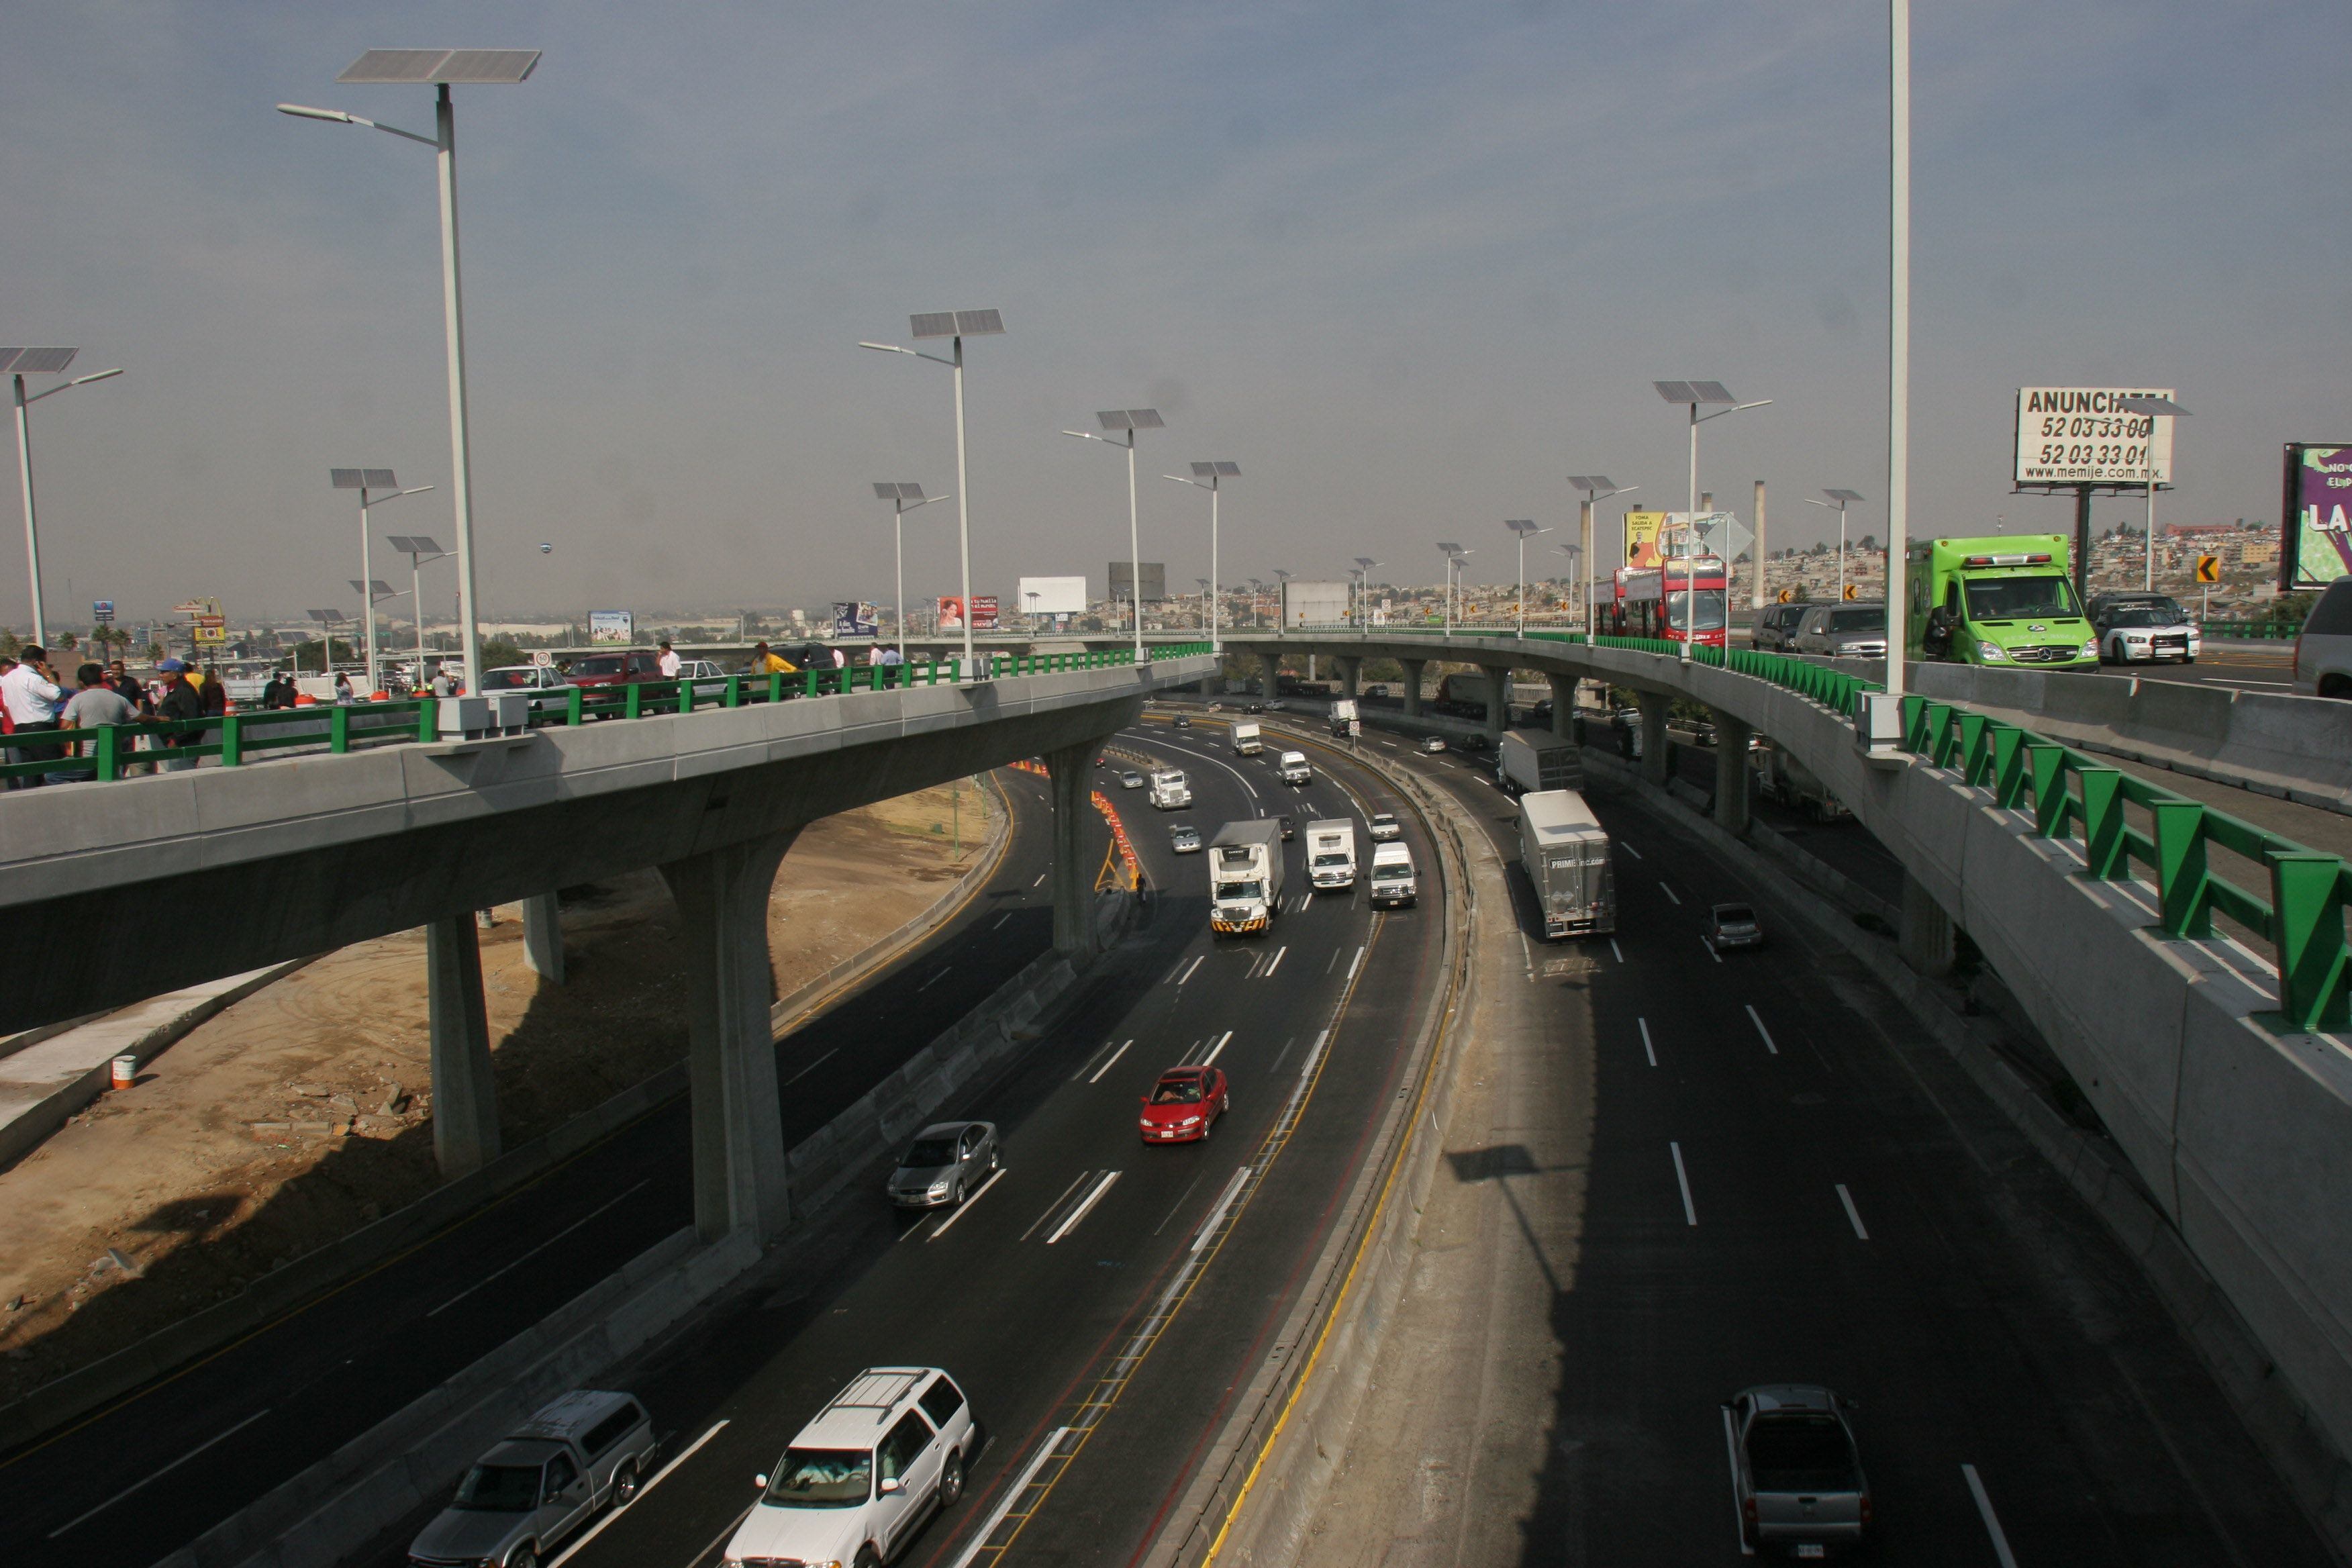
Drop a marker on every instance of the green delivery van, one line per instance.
(2006, 600)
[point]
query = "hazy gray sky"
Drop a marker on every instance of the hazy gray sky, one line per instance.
(1408, 264)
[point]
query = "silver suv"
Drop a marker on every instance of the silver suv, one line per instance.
(587, 1451)
(1843, 631)
(860, 1479)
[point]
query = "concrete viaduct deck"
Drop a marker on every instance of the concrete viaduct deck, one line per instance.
(153, 883)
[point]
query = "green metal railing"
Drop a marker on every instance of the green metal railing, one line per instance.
(118, 751)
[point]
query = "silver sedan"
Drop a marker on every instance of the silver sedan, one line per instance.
(946, 1163)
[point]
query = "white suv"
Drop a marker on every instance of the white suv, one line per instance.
(2322, 650)
(853, 1486)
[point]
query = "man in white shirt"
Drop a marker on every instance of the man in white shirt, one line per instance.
(32, 695)
(668, 661)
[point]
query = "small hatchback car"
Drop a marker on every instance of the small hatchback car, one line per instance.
(1733, 925)
(1184, 1104)
(947, 1161)
(861, 1478)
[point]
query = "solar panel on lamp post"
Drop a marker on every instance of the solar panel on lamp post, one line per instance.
(1839, 500)
(2153, 408)
(1697, 395)
(1131, 420)
(328, 620)
(1595, 489)
(898, 495)
(17, 364)
(1525, 529)
(420, 550)
(363, 481)
(1205, 476)
(957, 325)
(441, 70)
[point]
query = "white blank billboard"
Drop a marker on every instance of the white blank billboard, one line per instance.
(1052, 596)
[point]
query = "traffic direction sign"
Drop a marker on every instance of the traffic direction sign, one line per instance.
(1849, 590)
(2209, 569)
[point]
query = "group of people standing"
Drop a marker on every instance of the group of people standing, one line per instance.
(34, 700)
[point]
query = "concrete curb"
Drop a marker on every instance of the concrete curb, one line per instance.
(78, 1393)
(2316, 1472)
(32, 1126)
(1268, 1469)
(338, 1505)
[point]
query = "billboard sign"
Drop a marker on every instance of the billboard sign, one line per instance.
(611, 626)
(2077, 436)
(2317, 548)
(210, 630)
(1641, 528)
(1155, 580)
(984, 612)
(101, 612)
(854, 619)
(1053, 596)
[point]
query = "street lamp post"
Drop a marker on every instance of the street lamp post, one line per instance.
(2153, 408)
(17, 364)
(1131, 420)
(898, 495)
(1898, 352)
(957, 325)
(1699, 395)
(1596, 489)
(1839, 500)
(1525, 529)
(442, 68)
(421, 552)
(1205, 476)
(1204, 605)
(1364, 565)
(363, 481)
(1455, 557)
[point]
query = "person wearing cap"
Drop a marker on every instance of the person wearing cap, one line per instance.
(31, 695)
(181, 701)
(668, 660)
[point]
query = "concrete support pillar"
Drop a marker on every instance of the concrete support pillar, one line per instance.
(465, 1095)
(1073, 873)
(1653, 705)
(1270, 665)
(1564, 706)
(1351, 675)
(740, 1178)
(1413, 672)
(1926, 934)
(1731, 773)
(542, 937)
(1499, 701)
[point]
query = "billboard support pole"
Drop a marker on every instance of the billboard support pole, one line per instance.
(2082, 543)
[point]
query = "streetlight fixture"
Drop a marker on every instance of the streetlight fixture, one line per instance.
(17, 364)
(2153, 408)
(1525, 529)
(1456, 556)
(1839, 500)
(1205, 476)
(363, 481)
(1881, 717)
(328, 620)
(898, 495)
(1131, 420)
(1204, 603)
(421, 552)
(1699, 395)
(957, 325)
(1364, 564)
(441, 70)
(1596, 489)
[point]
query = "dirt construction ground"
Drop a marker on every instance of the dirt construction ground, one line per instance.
(214, 1167)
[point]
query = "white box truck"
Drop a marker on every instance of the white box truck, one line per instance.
(1171, 790)
(1331, 853)
(1532, 759)
(1393, 882)
(1245, 738)
(1565, 852)
(1245, 878)
(1344, 716)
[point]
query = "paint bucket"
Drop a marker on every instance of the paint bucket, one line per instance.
(126, 1072)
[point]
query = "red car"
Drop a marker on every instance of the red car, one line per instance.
(630, 668)
(1184, 1104)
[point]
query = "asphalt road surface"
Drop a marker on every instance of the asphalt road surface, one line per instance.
(139, 1477)
(1039, 1290)
(1787, 1182)
(2261, 667)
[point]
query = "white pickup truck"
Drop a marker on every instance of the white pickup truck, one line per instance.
(1331, 853)
(1171, 790)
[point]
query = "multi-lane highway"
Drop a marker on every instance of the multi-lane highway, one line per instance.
(1700, 1176)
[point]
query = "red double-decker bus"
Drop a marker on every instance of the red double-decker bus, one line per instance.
(1661, 601)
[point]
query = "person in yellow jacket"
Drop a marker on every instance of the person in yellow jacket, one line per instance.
(767, 661)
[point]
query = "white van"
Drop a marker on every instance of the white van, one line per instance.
(1393, 883)
(1292, 766)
